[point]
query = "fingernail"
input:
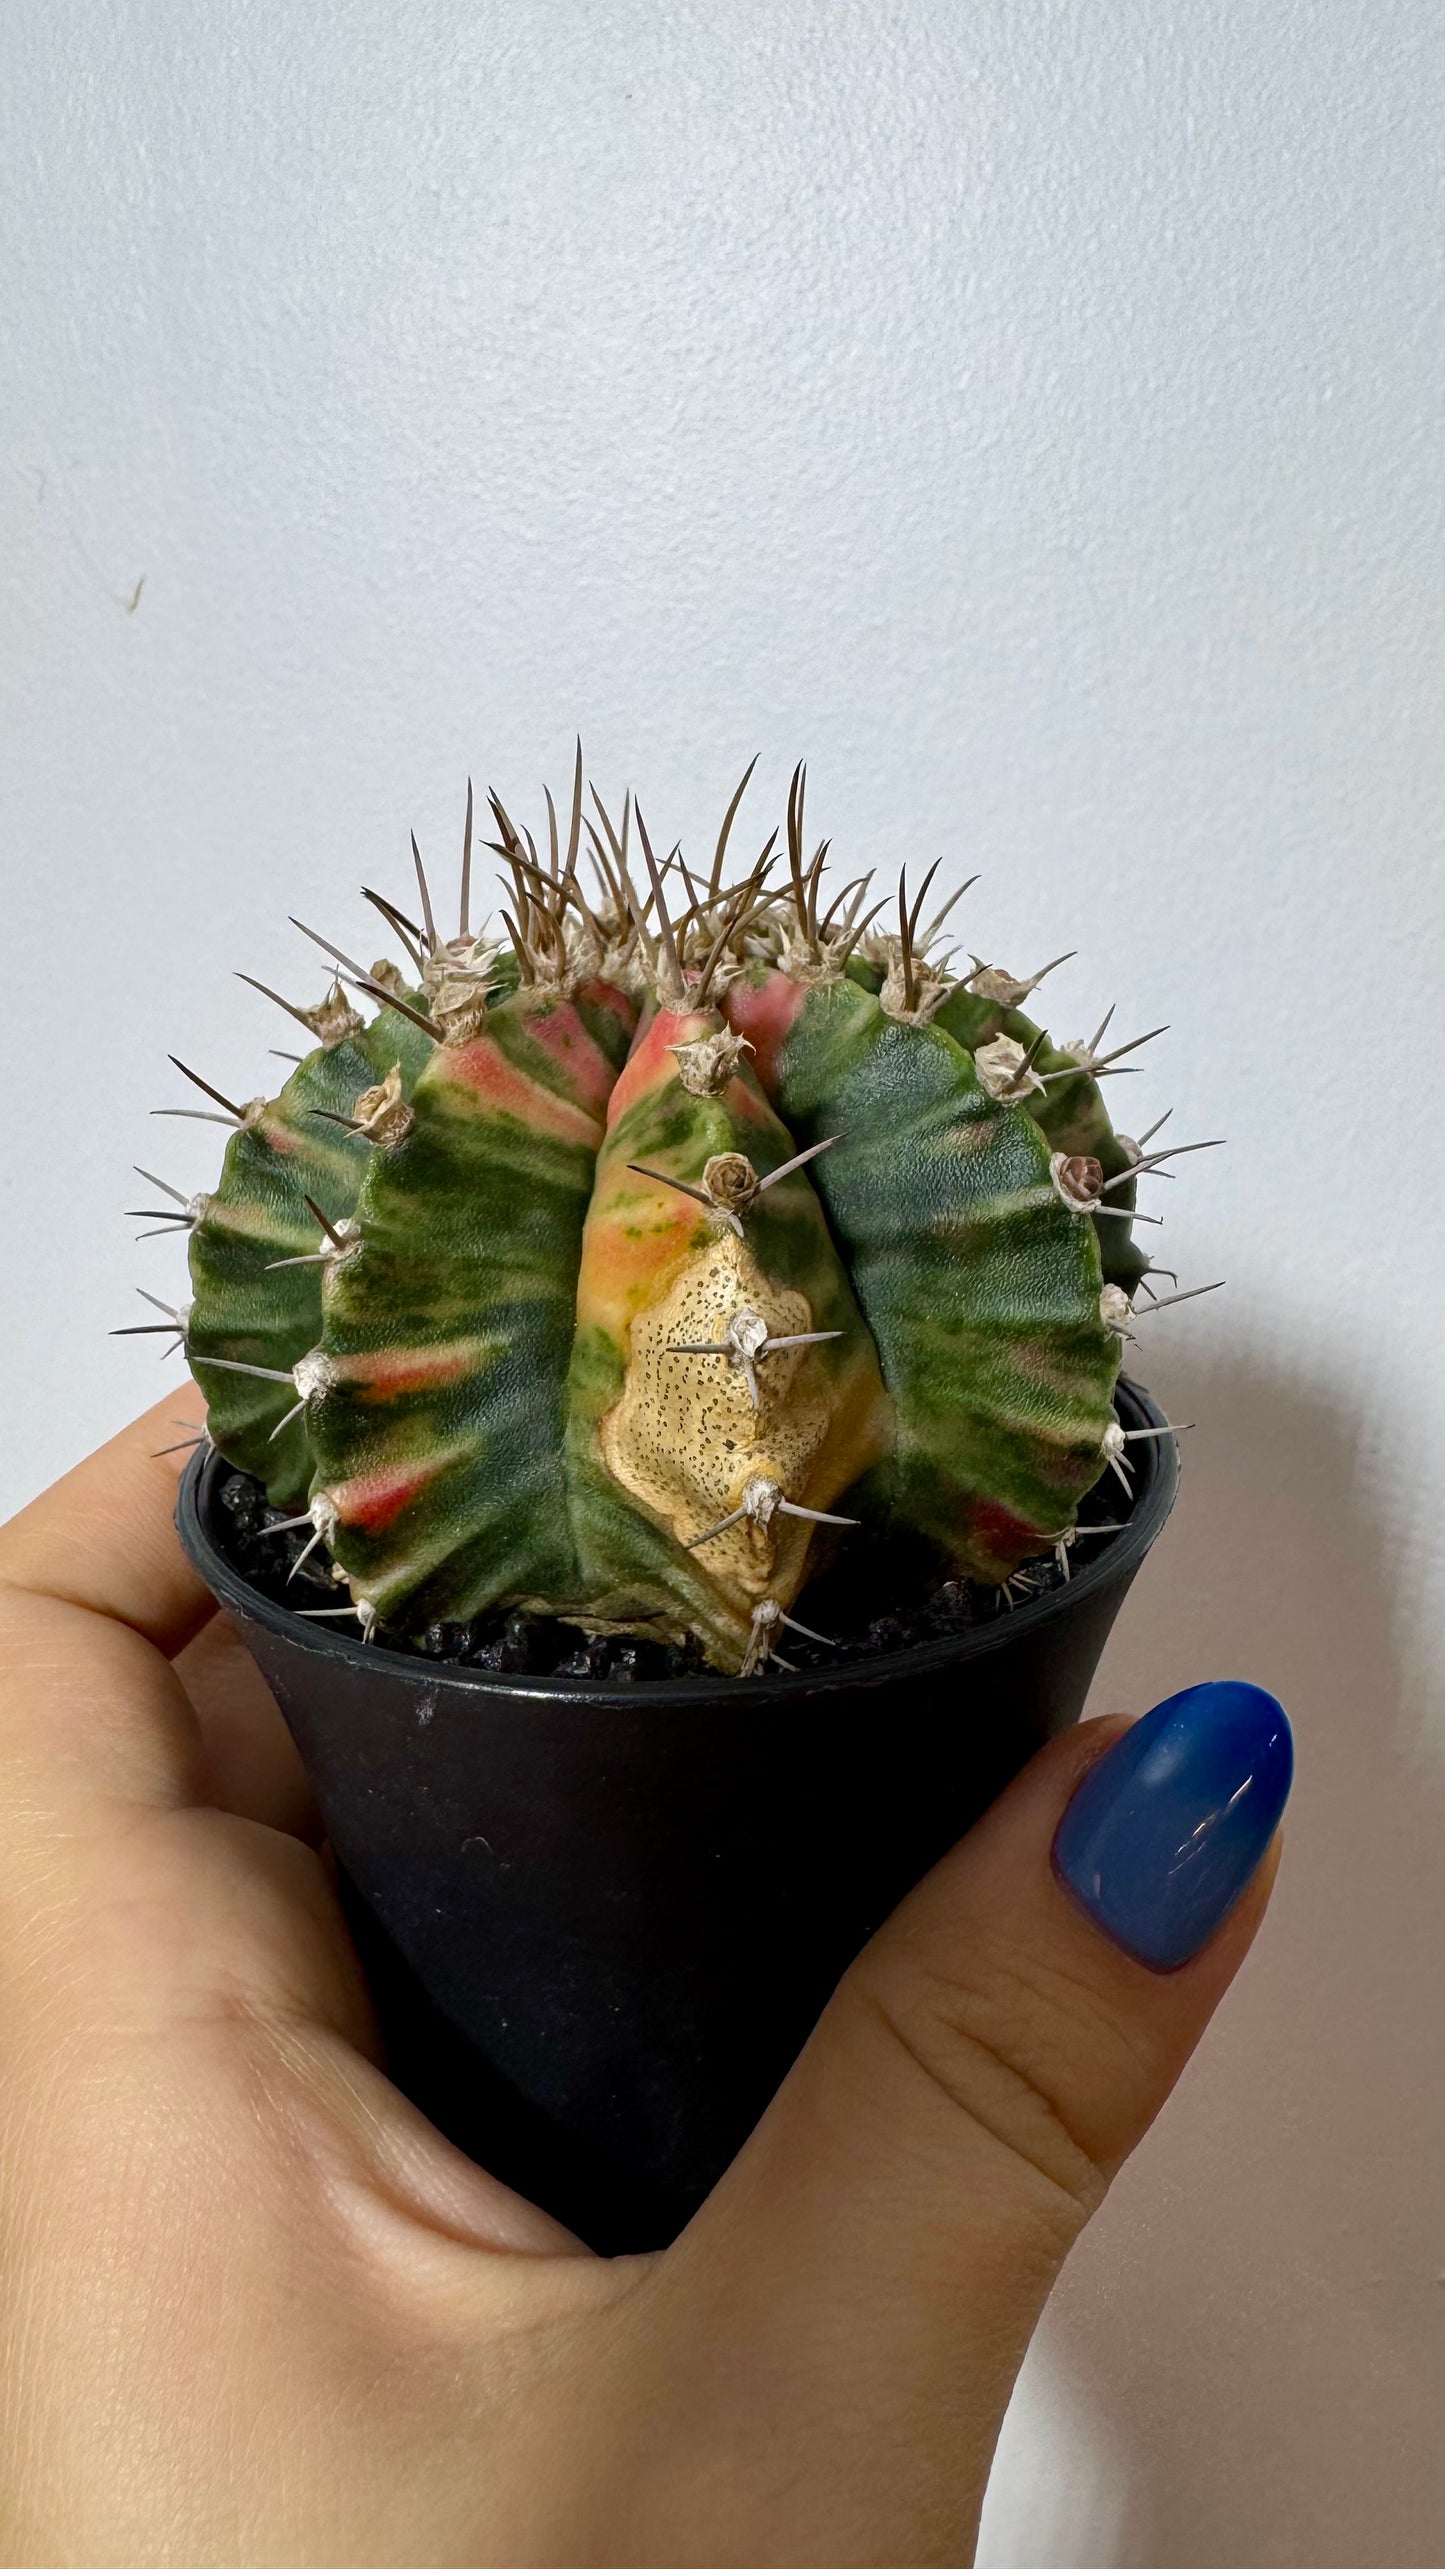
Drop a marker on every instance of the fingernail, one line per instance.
(1165, 1833)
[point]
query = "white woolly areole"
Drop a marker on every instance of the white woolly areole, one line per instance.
(802, 961)
(463, 961)
(333, 1021)
(334, 1253)
(1078, 1180)
(707, 1064)
(313, 1374)
(459, 1006)
(748, 1333)
(1114, 1441)
(1115, 1309)
(763, 1632)
(324, 1515)
(929, 993)
(382, 1113)
(603, 947)
(1004, 988)
(1000, 1068)
(730, 1183)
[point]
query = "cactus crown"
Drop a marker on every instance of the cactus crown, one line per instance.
(618, 1263)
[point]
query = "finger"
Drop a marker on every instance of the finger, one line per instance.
(882, 2249)
(253, 1764)
(199, 1918)
(94, 1592)
(103, 1537)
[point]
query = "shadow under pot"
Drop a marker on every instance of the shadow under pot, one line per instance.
(599, 1919)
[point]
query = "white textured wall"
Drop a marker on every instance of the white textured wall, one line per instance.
(1032, 411)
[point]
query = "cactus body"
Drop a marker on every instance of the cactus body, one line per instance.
(980, 1286)
(1069, 1111)
(245, 1307)
(518, 1291)
(664, 1443)
(437, 1426)
(1065, 1101)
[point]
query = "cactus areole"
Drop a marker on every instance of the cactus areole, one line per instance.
(620, 1266)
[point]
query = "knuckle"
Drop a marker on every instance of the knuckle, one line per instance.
(1001, 2034)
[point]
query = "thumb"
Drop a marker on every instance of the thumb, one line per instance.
(881, 2251)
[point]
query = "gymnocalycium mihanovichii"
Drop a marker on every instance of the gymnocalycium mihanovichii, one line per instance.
(621, 1263)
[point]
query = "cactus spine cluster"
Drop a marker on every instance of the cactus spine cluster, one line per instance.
(612, 1267)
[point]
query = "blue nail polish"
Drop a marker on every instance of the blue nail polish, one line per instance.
(1164, 1833)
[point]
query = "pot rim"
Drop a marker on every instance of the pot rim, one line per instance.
(1156, 1488)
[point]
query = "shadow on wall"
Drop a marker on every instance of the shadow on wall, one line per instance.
(1255, 2321)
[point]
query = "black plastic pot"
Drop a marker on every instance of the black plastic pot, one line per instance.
(599, 1920)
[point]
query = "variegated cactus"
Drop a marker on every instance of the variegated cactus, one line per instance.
(615, 1269)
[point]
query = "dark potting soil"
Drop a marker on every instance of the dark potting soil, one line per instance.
(869, 1603)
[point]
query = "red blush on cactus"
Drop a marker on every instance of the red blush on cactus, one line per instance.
(484, 1068)
(560, 1032)
(374, 1499)
(765, 1013)
(392, 1372)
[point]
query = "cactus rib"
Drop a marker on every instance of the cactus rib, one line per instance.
(248, 1302)
(982, 1290)
(438, 1439)
(661, 1448)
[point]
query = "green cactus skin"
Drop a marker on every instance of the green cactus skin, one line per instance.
(437, 1428)
(663, 1443)
(1071, 1113)
(980, 1286)
(244, 1307)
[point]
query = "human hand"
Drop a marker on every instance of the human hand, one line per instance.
(258, 2311)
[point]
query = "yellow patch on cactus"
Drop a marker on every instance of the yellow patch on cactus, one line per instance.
(685, 1438)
